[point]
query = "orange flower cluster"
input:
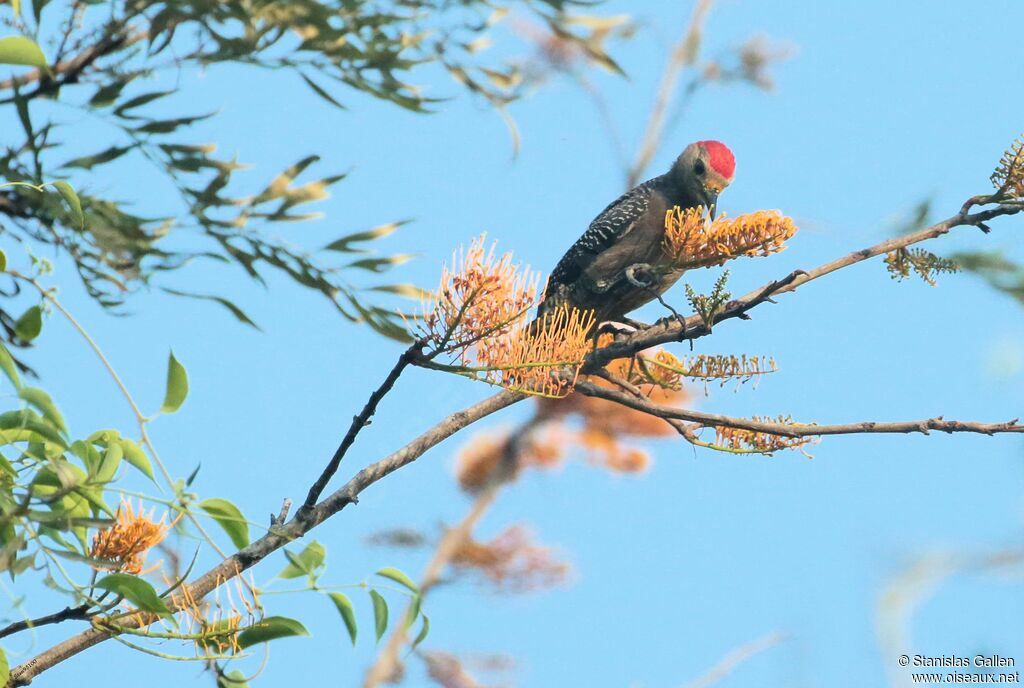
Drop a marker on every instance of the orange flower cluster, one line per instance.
(482, 456)
(751, 441)
(693, 240)
(511, 562)
(480, 315)
(530, 358)
(481, 296)
(124, 544)
(1009, 175)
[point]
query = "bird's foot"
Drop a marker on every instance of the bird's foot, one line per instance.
(642, 275)
(667, 320)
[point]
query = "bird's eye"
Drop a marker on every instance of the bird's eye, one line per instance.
(698, 168)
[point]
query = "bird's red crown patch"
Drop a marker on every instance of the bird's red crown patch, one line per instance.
(720, 158)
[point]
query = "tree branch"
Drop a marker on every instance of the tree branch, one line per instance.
(66, 614)
(278, 537)
(359, 421)
(792, 429)
(671, 330)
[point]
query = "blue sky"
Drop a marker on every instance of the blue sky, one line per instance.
(882, 105)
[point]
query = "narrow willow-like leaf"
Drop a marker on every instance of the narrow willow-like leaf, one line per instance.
(317, 89)
(230, 518)
(235, 310)
(348, 614)
(380, 613)
(270, 628)
(177, 385)
(344, 243)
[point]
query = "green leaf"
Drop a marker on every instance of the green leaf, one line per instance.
(305, 563)
(317, 89)
(343, 244)
(270, 628)
(87, 162)
(379, 265)
(230, 518)
(3, 262)
(380, 613)
(410, 291)
(134, 455)
(413, 611)
(30, 324)
(44, 404)
(110, 463)
(9, 367)
(18, 50)
(399, 577)
(71, 198)
(233, 679)
(422, 635)
(348, 614)
(135, 590)
(139, 101)
(177, 385)
(235, 310)
(5, 668)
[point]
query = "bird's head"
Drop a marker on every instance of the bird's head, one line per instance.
(703, 170)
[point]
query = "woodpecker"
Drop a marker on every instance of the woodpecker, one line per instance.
(618, 264)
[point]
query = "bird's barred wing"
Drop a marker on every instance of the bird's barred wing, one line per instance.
(607, 229)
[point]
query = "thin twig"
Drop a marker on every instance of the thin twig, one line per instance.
(359, 421)
(924, 426)
(66, 614)
(736, 657)
(682, 56)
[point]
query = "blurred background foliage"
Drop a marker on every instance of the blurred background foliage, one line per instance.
(100, 59)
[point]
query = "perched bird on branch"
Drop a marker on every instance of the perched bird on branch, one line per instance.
(619, 263)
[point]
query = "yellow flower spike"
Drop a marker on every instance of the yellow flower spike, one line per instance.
(1009, 175)
(481, 296)
(752, 441)
(529, 358)
(692, 239)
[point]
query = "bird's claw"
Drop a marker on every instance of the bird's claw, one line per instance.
(641, 275)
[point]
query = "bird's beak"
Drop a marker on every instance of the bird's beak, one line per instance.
(711, 197)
